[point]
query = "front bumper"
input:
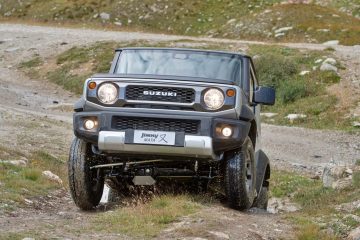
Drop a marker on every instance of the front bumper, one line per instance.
(206, 143)
(194, 146)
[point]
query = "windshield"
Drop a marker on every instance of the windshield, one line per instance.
(197, 64)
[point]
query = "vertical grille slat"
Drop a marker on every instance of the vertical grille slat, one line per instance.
(183, 95)
(156, 124)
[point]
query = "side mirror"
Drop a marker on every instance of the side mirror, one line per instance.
(264, 95)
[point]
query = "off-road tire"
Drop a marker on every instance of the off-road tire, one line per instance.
(239, 177)
(86, 186)
(262, 199)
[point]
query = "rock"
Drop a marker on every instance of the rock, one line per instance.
(277, 35)
(354, 234)
(105, 16)
(294, 116)
(302, 73)
(278, 205)
(283, 29)
(220, 235)
(14, 49)
(231, 21)
(318, 61)
(20, 163)
(328, 67)
(268, 114)
(118, 24)
(356, 124)
(27, 201)
(336, 177)
(331, 61)
(52, 177)
(331, 43)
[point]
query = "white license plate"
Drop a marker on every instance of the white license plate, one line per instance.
(154, 137)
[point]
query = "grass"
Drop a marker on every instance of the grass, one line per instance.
(317, 204)
(19, 183)
(251, 20)
(147, 220)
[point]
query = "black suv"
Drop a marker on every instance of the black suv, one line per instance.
(164, 113)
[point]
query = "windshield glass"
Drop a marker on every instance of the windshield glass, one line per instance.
(220, 66)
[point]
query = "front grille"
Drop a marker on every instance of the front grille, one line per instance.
(156, 124)
(161, 94)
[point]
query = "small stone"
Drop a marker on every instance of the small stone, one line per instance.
(27, 201)
(354, 234)
(269, 114)
(331, 43)
(302, 73)
(294, 116)
(356, 124)
(105, 16)
(277, 35)
(52, 177)
(14, 49)
(283, 29)
(28, 238)
(20, 163)
(318, 61)
(220, 234)
(231, 21)
(118, 24)
(55, 102)
(331, 61)
(328, 67)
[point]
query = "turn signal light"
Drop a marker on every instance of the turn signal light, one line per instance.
(230, 93)
(92, 85)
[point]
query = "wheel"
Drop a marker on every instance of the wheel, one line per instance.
(262, 199)
(239, 177)
(86, 185)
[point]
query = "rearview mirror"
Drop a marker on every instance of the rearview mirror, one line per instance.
(264, 95)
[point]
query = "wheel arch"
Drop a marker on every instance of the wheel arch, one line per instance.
(263, 171)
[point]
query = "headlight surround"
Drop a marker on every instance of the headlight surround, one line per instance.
(107, 93)
(214, 98)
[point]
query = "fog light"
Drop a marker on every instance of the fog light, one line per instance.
(226, 131)
(89, 124)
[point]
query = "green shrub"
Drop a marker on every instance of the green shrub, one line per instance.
(274, 69)
(289, 91)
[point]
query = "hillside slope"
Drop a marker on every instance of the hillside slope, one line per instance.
(274, 20)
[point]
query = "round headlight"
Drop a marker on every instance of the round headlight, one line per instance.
(107, 93)
(214, 99)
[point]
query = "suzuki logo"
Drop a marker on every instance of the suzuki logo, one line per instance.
(159, 93)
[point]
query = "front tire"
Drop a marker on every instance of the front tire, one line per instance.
(86, 185)
(239, 177)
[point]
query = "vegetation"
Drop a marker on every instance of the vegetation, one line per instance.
(147, 220)
(239, 19)
(318, 204)
(19, 183)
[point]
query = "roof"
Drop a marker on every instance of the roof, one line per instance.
(183, 49)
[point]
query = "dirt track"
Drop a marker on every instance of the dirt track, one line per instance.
(23, 101)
